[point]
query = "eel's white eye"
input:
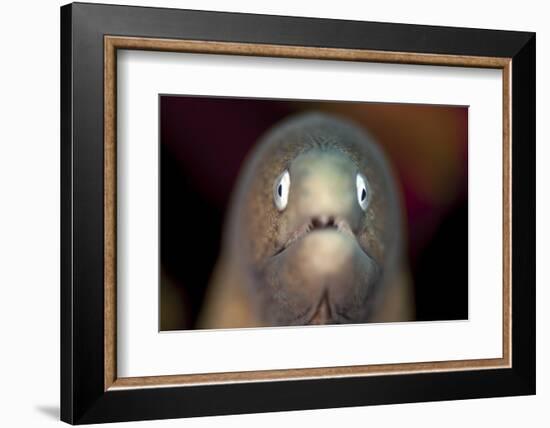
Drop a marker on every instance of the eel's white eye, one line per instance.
(362, 191)
(280, 190)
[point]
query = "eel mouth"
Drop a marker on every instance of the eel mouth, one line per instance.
(317, 223)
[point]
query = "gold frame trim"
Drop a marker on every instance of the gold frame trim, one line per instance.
(112, 43)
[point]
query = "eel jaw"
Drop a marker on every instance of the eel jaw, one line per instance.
(323, 311)
(321, 222)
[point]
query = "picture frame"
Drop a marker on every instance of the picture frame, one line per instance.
(91, 390)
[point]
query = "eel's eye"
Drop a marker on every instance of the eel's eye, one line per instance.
(362, 191)
(280, 190)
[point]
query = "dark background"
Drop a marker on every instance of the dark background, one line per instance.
(203, 141)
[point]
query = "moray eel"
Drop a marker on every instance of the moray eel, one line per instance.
(314, 233)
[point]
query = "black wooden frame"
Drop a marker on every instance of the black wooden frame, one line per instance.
(83, 399)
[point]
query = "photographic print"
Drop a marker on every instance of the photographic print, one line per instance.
(235, 201)
(303, 212)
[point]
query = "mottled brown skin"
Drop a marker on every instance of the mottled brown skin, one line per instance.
(322, 259)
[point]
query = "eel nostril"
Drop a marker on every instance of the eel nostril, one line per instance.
(323, 221)
(317, 222)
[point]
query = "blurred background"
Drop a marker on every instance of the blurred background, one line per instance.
(203, 141)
